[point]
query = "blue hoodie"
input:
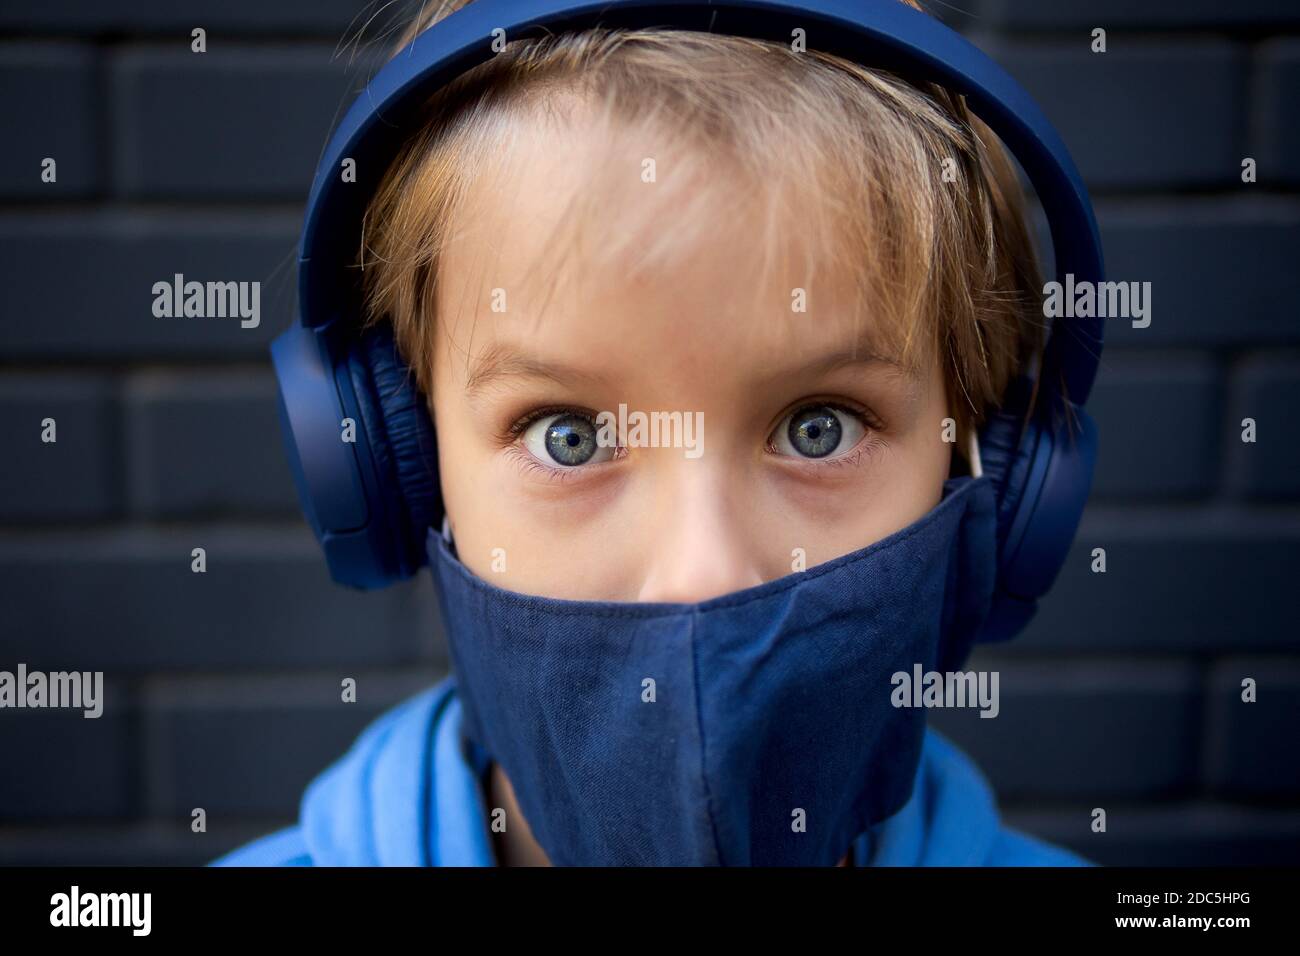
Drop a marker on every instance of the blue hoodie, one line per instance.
(407, 794)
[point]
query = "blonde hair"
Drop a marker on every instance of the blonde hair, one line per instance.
(944, 263)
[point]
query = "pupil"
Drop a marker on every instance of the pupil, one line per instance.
(571, 440)
(815, 432)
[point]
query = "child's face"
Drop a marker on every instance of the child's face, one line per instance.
(702, 336)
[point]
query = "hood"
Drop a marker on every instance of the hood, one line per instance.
(406, 794)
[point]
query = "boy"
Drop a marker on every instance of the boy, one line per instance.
(825, 267)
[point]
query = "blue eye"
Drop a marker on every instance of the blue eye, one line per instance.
(815, 431)
(567, 439)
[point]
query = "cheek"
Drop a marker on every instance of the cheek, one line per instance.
(460, 476)
(895, 487)
(925, 461)
(895, 490)
(478, 527)
(511, 531)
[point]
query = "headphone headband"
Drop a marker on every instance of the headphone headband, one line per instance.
(881, 33)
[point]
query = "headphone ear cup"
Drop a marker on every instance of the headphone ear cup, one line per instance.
(401, 439)
(1042, 473)
(1007, 446)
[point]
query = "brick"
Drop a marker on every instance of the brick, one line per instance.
(1093, 730)
(137, 844)
(127, 601)
(226, 124)
(1221, 271)
(1268, 390)
(86, 282)
(1278, 97)
(239, 17)
(74, 767)
(248, 750)
(1253, 749)
(1177, 581)
(207, 445)
(74, 477)
(1110, 14)
(1142, 115)
(50, 111)
(1159, 421)
(1198, 834)
(230, 16)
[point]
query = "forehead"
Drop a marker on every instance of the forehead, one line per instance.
(636, 242)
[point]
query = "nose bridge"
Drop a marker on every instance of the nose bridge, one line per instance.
(699, 546)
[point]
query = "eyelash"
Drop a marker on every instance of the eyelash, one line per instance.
(528, 463)
(871, 442)
(521, 425)
(870, 445)
(531, 465)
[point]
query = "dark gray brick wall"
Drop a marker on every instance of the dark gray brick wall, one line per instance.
(1197, 15)
(42, 81)
(1143, 113)
(233, 17)
(1276, 134)
(1161, 417)
(206, 444)
(1056, 730)
(224, 687)
(250, 753)
(1179, 579)
(79, 284)
(1252, 749)
(166, 145)
(1268, 391)
(76, 477)
(79, 770)
(1221, 268)
(126, 600)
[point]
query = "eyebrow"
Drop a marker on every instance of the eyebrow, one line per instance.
(863, 352)
(499, 361)
(835, 360)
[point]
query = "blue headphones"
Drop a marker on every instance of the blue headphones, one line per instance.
(372, 500)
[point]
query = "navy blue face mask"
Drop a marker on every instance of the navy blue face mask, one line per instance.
(754, 728)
